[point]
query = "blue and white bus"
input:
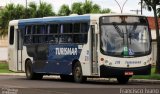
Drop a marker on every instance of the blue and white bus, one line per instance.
(80, 46)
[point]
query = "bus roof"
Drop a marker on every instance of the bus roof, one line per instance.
(72, 18)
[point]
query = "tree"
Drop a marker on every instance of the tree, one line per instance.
(45, 9)
(42, 10)
(8, 13)
(64, 10)
(82, 8)
(87, 7)
(32, 10)
(76, 8)
(19, 12)
(12, 12)
(152, 5)
(95, 8)
(107, 10)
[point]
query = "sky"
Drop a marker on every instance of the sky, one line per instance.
(129, 5)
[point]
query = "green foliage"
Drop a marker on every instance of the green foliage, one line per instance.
(77, 8)
(106, 10)
(64, 10)
(13, 12)
(95, 9)
(45, 10)
(4, 67)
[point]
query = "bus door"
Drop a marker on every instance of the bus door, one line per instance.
(93, 48)
(19, 49)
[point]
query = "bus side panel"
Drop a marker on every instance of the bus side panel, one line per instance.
(54, 58)
(84, 59)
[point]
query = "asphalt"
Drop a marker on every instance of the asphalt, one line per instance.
(153, 81)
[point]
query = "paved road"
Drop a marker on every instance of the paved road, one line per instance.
(53, 85)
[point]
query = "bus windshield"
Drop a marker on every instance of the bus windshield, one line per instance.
(127, 36)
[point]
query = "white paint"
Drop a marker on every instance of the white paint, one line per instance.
(3, 53)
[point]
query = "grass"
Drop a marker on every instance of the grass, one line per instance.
(4, 67)
(152, 76)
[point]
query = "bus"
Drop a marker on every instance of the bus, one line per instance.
(76, 47)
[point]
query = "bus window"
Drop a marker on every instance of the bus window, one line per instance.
(65, 33)
(28, 37)
(84, 27)
(34, 32)
(76, 28)
(28, 30)
(53, 28)
(11, 37)
(80, 32)
(53, 33)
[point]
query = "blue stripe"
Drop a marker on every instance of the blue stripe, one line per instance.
(54, 19)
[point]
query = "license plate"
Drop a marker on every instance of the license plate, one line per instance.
(128, 73)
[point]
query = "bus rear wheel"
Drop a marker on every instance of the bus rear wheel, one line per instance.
(123, 79)
(30, 75)
(77, 73)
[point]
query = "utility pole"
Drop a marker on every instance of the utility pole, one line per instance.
(141, 7)
(26, 14)
(137, 11)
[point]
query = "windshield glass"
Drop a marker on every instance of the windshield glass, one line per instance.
(125, 39)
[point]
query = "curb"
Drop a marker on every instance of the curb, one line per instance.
(152, 81)
(13, 74)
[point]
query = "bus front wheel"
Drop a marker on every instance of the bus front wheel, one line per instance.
(123, 79)
(30, 75)
(77, 73)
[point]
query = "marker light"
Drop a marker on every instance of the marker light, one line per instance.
(102, 59)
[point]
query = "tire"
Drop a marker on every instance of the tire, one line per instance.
(123, 80)
(77, 73)
(30, 75)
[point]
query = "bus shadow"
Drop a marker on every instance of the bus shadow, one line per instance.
(90, 81)
(96, 81)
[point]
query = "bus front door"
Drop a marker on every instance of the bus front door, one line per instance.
(93, 48)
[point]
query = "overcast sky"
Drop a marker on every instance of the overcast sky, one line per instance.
(130, 4)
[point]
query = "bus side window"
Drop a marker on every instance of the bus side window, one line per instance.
(80, 32)
(41, 33)
(84, 32)
(76, 32)
(34, 34)
(11, 37)
(66, 33)
(28, 36)
(53, 33)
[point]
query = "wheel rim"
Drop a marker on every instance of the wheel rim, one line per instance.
(28, 71)
(77, 73)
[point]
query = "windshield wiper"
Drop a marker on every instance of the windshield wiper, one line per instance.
(132, 31)
(121, 33)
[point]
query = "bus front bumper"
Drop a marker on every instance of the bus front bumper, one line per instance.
(107, 71)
